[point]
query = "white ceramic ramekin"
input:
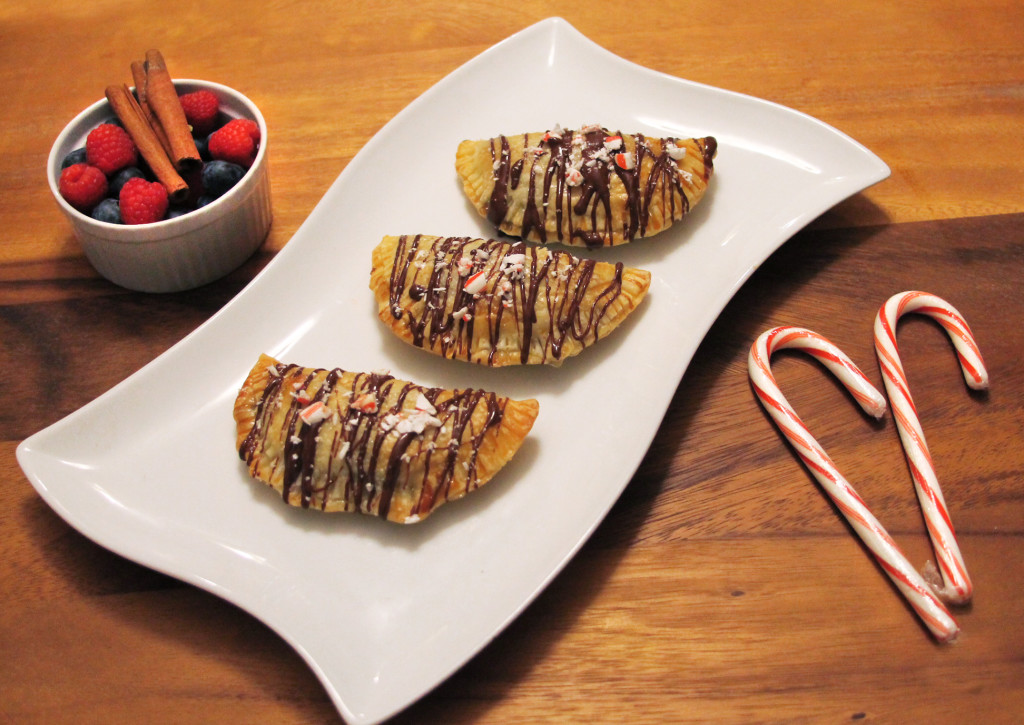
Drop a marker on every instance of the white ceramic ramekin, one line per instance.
(187, 251)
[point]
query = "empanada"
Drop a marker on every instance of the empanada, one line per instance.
(369, 442)
(499, 303)
(591, 187)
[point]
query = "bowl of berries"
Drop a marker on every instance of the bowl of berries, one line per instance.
(165, 184)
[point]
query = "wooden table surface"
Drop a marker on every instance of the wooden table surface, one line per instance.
(724, 586)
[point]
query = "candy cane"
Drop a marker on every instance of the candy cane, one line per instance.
(922, 599)
(957, 586)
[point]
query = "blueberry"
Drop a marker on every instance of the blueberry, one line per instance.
(108, 211)
(220, 176)
(203, 147)
(75, 157)
(121, 178)
(204, 200)
(177, 211)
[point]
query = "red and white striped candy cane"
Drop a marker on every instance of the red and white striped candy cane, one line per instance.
(911, 584)
(957, 586)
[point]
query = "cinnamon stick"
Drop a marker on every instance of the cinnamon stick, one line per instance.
(139, 77)
(135, 123)
(163, 99)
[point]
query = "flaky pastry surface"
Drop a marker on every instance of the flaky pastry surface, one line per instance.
(589, 187)
(371, 443)
(497, 302)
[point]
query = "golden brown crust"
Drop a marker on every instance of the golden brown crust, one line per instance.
(573, 187)
(533, 305)
(380, 446)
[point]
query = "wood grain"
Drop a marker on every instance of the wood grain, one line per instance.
(724, 586)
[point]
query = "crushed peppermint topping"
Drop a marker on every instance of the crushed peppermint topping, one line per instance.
(625, 160)
(416, 421)
(555, 134)
(573, 176)
(296, 440)
(476, 283)
(365, 403)
(422, 403)
(482, 254)
(591, 127)
(274, 372)
(513, 265)
(612, 143)
(676, 153)
(303, 397)
(462, 313)
(464, 266)
(343, 449)
(314, 413)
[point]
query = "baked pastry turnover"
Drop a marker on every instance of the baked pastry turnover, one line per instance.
(591, 187)
(497, 302)
(369, 442)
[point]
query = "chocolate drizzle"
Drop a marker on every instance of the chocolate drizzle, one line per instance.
(581, 211)
(503, 174)
(427, 293)
(359, 457)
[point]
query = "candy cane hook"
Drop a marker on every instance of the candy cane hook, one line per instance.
(922, 599)
(957, 587)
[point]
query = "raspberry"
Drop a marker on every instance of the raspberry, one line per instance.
(110, 148)
(82, 186)
(250, 126)
(201, 110)
(236, 142)
(143, 202)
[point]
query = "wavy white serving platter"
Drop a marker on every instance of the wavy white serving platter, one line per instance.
(383, 613)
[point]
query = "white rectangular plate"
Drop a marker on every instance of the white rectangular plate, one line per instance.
(381, 612)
